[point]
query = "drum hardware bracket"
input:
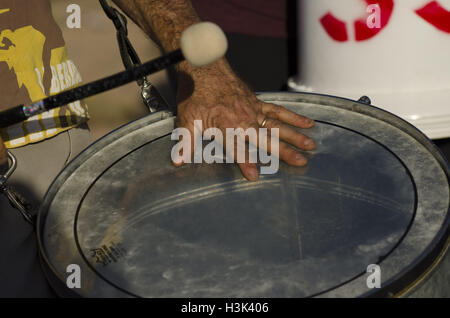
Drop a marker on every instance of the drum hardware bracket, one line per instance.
(365, 100)
(152, 98)
(149, 94)
(15, 199)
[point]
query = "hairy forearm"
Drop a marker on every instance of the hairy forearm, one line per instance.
(164, 21)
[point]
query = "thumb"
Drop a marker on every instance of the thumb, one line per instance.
(183, 151)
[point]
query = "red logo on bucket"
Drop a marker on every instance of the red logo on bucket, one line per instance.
(337, 29)
(436, 15)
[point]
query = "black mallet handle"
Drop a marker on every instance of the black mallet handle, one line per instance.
(20, 113)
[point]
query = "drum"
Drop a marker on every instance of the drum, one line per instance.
(372, 204)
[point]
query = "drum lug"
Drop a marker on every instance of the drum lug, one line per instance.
(19, 203)
(365, 100)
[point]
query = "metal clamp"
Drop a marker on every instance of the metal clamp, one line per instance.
(10, 171)
(152, 98)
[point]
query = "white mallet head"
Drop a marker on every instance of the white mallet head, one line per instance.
(203, 43)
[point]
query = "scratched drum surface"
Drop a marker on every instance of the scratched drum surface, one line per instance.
(138, 226)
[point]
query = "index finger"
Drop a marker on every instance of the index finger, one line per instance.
(287, 116)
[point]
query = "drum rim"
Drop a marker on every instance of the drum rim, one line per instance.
(374, 112)
(405, 280)
(52, 275)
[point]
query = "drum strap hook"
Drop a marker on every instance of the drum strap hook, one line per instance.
(150, 95)
(16, 200)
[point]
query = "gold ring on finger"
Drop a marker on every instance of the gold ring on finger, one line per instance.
(264, 122)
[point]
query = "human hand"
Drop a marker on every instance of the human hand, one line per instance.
(217, 97)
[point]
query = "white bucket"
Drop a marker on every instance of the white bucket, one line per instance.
(401, 61)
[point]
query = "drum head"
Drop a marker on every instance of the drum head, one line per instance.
(375, 191)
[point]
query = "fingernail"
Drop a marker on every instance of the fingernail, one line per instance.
(309, 143)
(253, 174)
(300, 159)
(177, 161)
